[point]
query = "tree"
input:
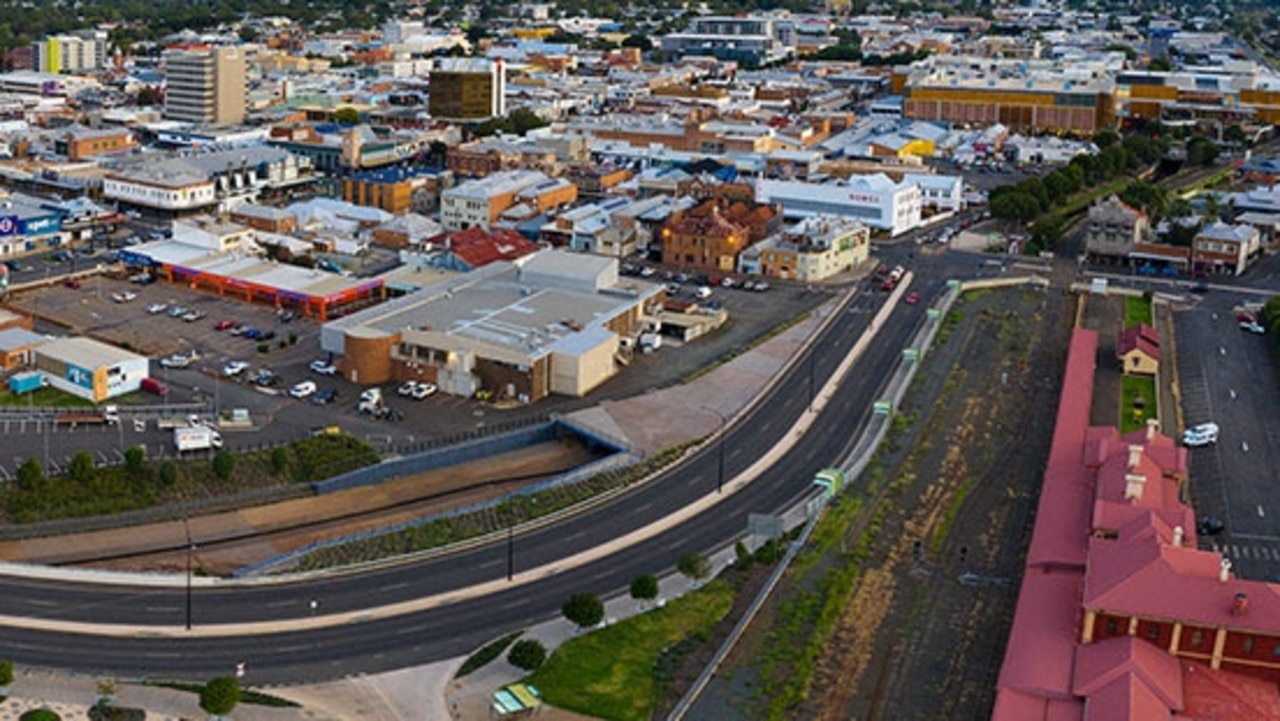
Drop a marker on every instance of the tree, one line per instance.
(168, 474)
(1105, 139)
(1058, 186)
(81, 469)
(134, 459)
(695, 566)
(106, 688)
(644, 587)
(583, 609)
(1235, 134)
(1045, 234)
(223, 464)
(1148, 197)
(636, 40)
(6, 674)
(279, 460)
(1201, 151)
(1015, 207)
(346, 115)
(1160, 64)
(147, 96)
(527, 654)
(30, 475)
(220, 695)
(522, 120)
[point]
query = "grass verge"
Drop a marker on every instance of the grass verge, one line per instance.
(488, 653)
(609, 674)
(1134, 416)
(1137, 309)
(249, 696)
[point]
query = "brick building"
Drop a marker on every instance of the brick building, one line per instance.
(1120, 615)
(712, 235)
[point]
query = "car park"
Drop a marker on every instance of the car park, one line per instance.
(234, 368)
(156, 308)
(303, 389)
(423, 391)
(323, 367)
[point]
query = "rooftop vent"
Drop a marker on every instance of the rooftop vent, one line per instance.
(1239, 604)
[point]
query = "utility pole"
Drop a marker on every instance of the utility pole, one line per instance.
(720, 462)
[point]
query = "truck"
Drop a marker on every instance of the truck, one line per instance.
(196, 438)
(109, 415)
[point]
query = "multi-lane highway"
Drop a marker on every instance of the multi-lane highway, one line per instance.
(446, 631)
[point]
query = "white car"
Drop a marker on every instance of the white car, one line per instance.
(124, 296)
(235, 368)
(1204, 434)
(1253, 327)
(423, 390)
(407, 388)
(303, 389)
(175, 361)
(156, 308)
(323, 367)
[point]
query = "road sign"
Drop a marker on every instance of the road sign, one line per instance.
(765, 525)
(882, 408)
(910, 354)
(830, 480)
(933, 314)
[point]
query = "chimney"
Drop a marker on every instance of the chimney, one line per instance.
(1224, 570)
(1135, 455)
(1152, 423)
(1178, 535)
(1239, 604)
(1133, 484)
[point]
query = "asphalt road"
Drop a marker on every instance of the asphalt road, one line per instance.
(449, 631)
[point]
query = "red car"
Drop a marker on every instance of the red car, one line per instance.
(912, 298)
(73, 284)
(224, 324)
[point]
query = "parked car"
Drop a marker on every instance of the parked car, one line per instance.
(323, 367)
(324, 396)
(266, 335)
(406, 388)
(156, 308)
(13, 265)
(250, 333)
(266, 378)
(423, 391)
(72, 283)
(303, 389)
(1210, 526)
(177, 311)
(176, 360)
(1204, 434)
(224, 325)
(235, 368)
(154, 385)
(760, 286)
(1253, 327)
(193, 316)
(124, 296)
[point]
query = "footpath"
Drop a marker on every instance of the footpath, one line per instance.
(652, 421)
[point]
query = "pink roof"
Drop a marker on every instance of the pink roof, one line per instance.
(1126, 698)
(1100, 665)
(1142, 337)
(1017, 706)
(1226, 695)
(1045, 628)
(1145, 576)
(1076, 398)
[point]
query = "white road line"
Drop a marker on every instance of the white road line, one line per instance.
(1261, 513)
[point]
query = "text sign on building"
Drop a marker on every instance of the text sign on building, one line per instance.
(38, 226)
(79, 376)
(8, 225)
(864, 198)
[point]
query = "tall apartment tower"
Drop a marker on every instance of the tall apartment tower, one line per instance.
(466, 89)
(205, 86)
(80, 51)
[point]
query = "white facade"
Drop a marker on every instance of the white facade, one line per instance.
(876, 200)
(470, 204)
(90, 369)
(185, 196)
(944, 192)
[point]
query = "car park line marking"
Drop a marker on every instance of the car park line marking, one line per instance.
(1261, 513)
(1244, 446)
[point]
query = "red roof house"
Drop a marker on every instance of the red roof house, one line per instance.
(1138, 349)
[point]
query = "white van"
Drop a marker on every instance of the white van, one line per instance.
(702, 293)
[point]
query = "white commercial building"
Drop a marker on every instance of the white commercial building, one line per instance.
(89, 369)
(876, 200)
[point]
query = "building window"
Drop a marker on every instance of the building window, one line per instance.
(1111, 627)
(1246, 646)
(1197, 638)
(1153, 632)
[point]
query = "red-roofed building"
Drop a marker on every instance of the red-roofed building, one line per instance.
(465, 250)
(1138, 350)
(1120, 616)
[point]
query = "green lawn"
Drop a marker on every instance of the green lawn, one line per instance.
(43, 397)
(610, 673)
(1132, 419)
(1136, 310)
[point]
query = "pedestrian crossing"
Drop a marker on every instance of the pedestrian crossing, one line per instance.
(1250, 553)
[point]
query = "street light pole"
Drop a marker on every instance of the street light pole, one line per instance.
(511, 550)
(720, 461)
(186, 526)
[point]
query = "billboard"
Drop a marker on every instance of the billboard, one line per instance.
(41, 226)
(80, 376)
(9, 225)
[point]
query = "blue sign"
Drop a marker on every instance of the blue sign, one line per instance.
(80, 376)
(41, 226)
(8, 224)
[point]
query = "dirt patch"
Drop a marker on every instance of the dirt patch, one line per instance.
(922, 585)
